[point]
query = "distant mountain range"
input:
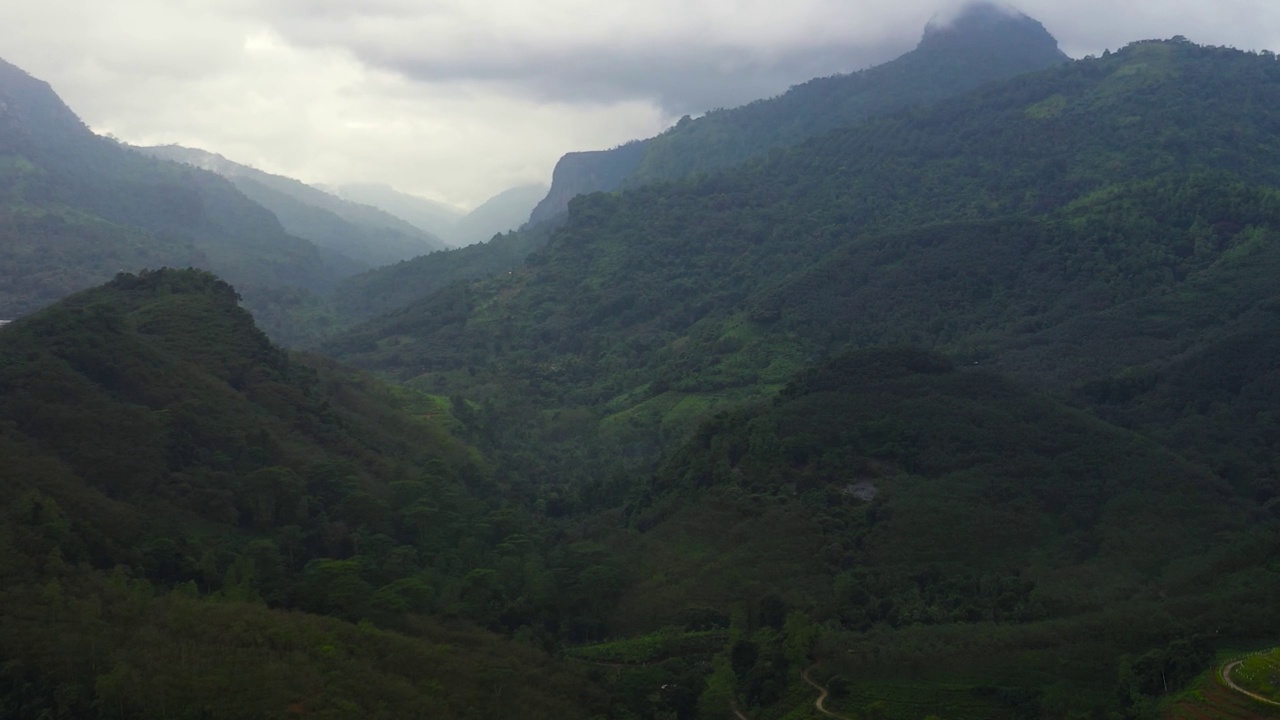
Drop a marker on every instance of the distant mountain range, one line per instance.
(76, 208)
(361, 232)
(505, 211)
(430, 215)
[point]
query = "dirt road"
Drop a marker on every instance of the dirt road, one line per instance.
(820, 703)
(1226, 678)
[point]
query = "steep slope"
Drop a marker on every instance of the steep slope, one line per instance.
(984, 43)
(76, 208)
(502, 213)
(361, 232)
(169, 474)
(430, 216)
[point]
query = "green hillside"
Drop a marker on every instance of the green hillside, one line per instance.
(948, 544)
(177, 491)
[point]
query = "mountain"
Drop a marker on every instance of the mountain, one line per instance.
(501, 213)
(76, 208)
(360, 232)
(430, 216)
(982, 44)
(217, 515)
(985, 42)
(506, 211)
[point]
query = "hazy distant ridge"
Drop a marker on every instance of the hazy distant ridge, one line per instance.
(362, 232)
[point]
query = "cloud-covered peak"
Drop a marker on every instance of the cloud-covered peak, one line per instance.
(987, 26)
(972, 13)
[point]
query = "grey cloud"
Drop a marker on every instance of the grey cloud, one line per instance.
(687, 57)
(458, 99)
(680, 80)
(700, 54)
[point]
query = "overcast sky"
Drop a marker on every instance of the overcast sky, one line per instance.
(460, 99)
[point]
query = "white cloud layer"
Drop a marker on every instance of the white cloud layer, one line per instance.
(458, 100)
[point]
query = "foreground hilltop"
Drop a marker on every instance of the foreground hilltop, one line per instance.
(216, 514)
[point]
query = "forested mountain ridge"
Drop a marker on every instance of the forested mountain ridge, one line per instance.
(185, 490)
(76, 208)
(361, 232)
(983, 43)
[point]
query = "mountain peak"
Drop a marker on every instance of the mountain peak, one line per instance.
(982, 23)
(30, 109)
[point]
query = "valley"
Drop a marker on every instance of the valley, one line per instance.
(942, 389)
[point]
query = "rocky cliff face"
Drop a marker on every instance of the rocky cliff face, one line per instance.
(580, 173)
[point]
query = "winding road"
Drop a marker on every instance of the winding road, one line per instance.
(820, 703)
(1226, 678)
